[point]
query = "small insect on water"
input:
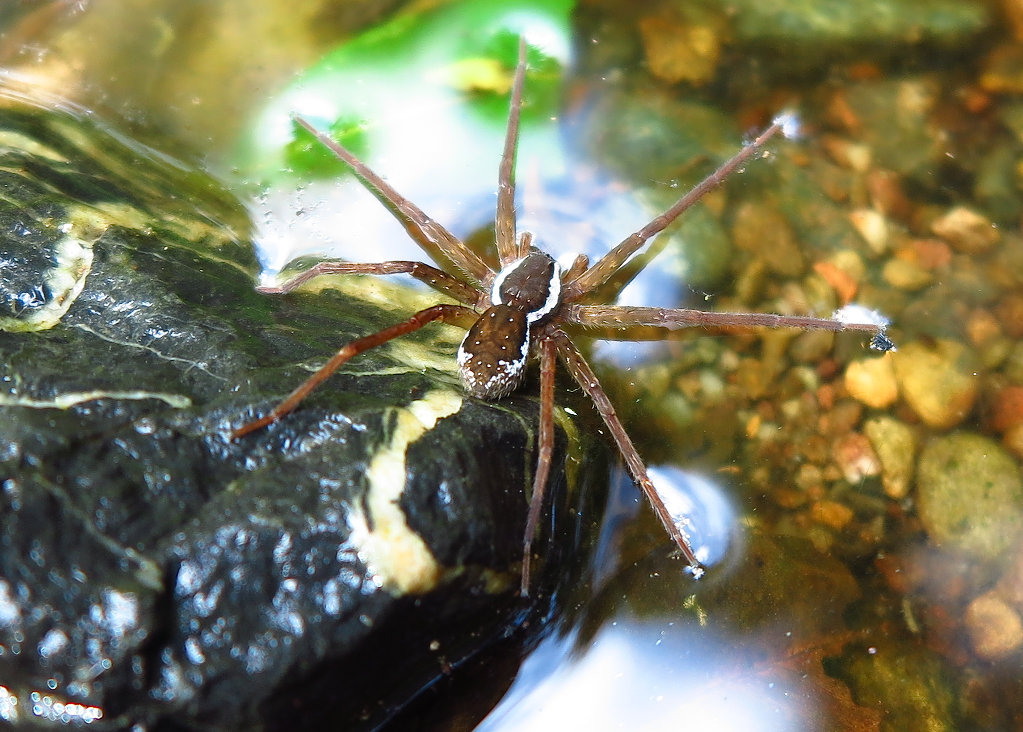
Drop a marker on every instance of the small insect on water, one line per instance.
(517, 310)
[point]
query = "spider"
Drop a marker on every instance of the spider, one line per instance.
(517, 310)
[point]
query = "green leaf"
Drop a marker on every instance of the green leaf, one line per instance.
(386, 92)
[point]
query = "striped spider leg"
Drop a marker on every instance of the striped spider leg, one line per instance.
(517, 311)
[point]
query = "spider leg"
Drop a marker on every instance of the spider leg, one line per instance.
(619, 317)
(584, 375)
(504, 222)
(545, 445)
(455, 314)
(434, 239)
(610, 263)
(435, 278)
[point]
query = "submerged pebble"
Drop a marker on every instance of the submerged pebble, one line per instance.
(906, 275)
(995, 628)
(764, 231)
(966, 230)
(1013, 440)
(1007, 409)
(895, 444)
(832, 514)
(856, 458)
(871, 381)
(682, 44)
(970, 495)
(906, 681)
(938, 381)
(872, 226)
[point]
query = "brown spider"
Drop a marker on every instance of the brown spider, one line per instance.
(524, 304)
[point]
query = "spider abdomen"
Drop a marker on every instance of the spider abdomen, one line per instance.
(492, 357)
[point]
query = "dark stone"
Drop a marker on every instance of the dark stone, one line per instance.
(155, 572)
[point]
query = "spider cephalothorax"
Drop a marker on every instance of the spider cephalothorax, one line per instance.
(516, 311)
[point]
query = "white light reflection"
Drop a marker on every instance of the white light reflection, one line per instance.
(703, 506)
(8, 705)
(853, 313)
(54, 709)
(643, 675)
(10, 610)
(791, 127)
(418, 134)
(712, 519)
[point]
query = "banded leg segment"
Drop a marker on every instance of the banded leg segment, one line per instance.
(618, 317)
(508, 249)
(435, 278)
(545, 453)
(454, 314)
(583, 374)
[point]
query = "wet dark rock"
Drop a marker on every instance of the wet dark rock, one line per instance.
(152, 570)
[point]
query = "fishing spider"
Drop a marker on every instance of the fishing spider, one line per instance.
(517, 310)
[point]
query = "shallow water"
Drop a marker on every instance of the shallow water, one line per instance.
(847, 588)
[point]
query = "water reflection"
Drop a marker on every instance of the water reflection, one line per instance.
(654, 673)
(648, 675)
(702, 506)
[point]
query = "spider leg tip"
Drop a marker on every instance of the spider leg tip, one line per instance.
(881, 342)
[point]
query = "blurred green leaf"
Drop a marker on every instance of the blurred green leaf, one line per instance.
(448, 68)
(305, 153)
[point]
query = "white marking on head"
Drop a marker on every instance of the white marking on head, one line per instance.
(553, 297)
(495, 289)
